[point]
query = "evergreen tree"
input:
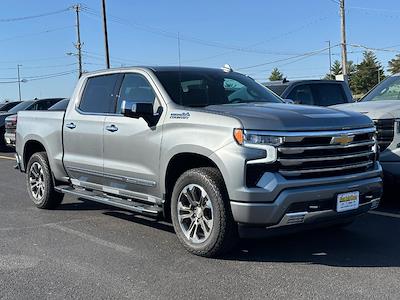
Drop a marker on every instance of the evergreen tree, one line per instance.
(275, 75)
(368, 74)
(336, 69)
(394, 65)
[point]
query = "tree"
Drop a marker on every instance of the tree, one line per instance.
(337, 70)
(394, 65)
(276, 75)
(368, 73)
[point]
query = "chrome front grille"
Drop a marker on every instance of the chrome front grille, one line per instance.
(322, 154)
(385, 132)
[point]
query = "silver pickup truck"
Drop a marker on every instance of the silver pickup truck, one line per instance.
(210, 149)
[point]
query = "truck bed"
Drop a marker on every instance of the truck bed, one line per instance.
(45, 127)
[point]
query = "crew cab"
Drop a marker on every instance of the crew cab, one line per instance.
(312, 92)
(210, 149)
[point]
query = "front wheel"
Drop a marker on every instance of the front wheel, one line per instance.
(201, 213)
(40, 183)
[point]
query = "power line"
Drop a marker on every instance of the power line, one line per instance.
(279, 36)
(173, 35)
(38, 76)
(36, 33)
(301, 56)
(34, 59)
(35, 16)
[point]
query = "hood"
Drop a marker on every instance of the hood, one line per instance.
(382, 109)
(292, 117)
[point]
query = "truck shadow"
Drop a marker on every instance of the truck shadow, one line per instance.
(372, 241)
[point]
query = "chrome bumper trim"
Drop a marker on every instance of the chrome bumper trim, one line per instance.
(302, 217)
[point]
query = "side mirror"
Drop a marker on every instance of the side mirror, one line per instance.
(289, 101)
(143, 110)
(136, 110)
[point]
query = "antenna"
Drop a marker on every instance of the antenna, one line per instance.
(179, 49)
(180, 70)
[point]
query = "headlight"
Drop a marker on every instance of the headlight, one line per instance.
(259, 140)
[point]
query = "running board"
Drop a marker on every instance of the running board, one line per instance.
(130, 205)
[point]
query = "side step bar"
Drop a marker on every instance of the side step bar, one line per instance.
(141, 208)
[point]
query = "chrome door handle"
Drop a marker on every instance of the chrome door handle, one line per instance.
(71, 125)
(112, 128)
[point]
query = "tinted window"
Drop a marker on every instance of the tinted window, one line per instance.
(98, 96)
(387, 90)
(277, 89)
(60, 106)
(326, 94)
(8, 106)
(22, 106)
(44, 104)
(212, 87)
(302, 94)
(135, 88)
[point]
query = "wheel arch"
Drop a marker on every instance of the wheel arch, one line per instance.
(177, 165)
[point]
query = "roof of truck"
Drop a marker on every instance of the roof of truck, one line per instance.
(156, 69)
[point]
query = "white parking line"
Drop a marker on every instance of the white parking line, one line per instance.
(91, 238)
(7, 157)
(385, 214)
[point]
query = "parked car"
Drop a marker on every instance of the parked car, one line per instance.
(212, 149)
(60, 106)
(312, 92)
(4, 107)
(8, 120)
(382, 104)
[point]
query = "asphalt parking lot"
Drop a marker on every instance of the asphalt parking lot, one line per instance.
(87, 250)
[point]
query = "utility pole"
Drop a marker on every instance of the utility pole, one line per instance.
(344, 45)
(78, 44)
(105, 34)
(330, 58)
(19, 82)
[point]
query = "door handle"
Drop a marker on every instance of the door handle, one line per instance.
(71, 125)
(112, 128)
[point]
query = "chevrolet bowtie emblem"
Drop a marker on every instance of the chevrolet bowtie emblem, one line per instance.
(342, 139)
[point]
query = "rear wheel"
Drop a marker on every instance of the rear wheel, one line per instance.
(40, 183)
(201, 213)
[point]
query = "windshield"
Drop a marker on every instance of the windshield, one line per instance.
(21, 106)
(201, 88)
(389, 89)
(8, 106)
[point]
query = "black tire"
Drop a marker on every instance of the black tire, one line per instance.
(223, 234)
(49, 198)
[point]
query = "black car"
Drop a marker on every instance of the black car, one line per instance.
(313, 92)
(41, 104)
(4, 107)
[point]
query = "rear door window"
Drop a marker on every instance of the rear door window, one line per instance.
(327, 94)
(99, 95)
(302, 94)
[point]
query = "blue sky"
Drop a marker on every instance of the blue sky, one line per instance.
(212, 33)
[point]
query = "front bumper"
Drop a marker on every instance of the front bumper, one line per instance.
(307, 205)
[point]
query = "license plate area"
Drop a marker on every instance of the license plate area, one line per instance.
(348, 201)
